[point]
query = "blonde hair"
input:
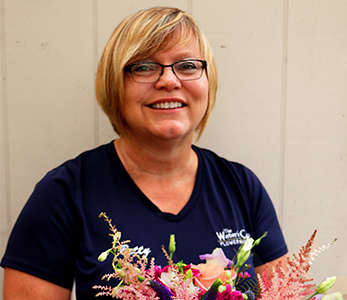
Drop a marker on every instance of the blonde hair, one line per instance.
(138, 37)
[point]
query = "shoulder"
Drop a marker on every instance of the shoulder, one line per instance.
(90, 159)
(234, 177)
(65, 180)
(215, 163)
(96, 156)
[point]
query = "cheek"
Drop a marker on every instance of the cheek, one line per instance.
(199, 89)
(204, 93)
(203, 100)
(133, 93)
(205, 86)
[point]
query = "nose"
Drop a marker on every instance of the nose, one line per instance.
(168, 79)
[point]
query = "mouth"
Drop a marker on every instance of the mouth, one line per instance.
(167, 105)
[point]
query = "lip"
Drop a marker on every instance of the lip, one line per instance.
(167, 100)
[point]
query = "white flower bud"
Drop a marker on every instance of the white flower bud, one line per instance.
(248, 244)
(172, 245)
(326, 285)
(102, 257)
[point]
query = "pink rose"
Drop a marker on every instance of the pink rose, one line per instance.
(208, 275)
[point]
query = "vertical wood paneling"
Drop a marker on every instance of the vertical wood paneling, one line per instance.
(316, 138)
(49, 88)
(282, 106)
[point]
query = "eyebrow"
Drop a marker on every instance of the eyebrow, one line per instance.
(177, 58)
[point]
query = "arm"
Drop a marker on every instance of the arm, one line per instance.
(282, 259)
(20, 285)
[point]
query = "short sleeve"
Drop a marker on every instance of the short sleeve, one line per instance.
(43, 240)
(264, 219)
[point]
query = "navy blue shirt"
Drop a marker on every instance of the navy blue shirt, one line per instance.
(58, 235)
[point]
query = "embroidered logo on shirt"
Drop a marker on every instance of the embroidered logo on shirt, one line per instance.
(228, 238)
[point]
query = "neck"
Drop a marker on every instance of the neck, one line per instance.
(155, 159)
(166, 175)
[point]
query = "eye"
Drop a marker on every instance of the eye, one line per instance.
(187, 66)
(144, 68)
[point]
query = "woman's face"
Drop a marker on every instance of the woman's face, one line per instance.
(143, 115)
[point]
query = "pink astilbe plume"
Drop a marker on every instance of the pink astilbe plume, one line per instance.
(185, 290)
(290, 282)
(130, 269)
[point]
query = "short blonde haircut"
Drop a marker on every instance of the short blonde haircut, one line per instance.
(138, 37)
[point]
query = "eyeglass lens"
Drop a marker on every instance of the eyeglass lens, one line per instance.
(149, 72)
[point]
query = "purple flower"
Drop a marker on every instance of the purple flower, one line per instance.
(162, 291)
(217, 257)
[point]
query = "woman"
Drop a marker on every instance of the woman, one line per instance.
(157, 83)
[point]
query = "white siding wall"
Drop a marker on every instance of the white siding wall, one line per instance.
(282, 108)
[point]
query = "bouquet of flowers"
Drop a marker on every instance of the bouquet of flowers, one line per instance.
(143, 280)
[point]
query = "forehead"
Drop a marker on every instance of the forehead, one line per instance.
(179, 47)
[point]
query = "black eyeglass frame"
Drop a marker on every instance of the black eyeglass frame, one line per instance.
(204, 67)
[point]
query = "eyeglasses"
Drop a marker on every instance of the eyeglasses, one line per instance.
(149, 72)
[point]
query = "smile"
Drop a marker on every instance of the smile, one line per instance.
(167, 105)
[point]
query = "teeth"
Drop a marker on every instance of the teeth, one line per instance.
(167, 105)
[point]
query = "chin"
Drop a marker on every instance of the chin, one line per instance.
(174, 134)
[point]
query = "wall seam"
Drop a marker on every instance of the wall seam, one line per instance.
(95, 66)
(190, 7)
(5, 120)
(283, 111)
